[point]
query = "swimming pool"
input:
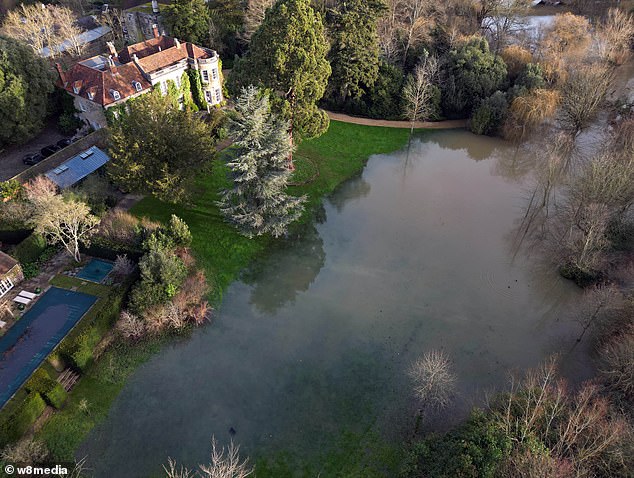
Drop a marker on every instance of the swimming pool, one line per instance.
(96, 270)
(36, 334)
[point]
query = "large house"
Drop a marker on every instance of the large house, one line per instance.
(101, 82)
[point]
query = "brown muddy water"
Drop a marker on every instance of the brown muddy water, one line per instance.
(315, 341)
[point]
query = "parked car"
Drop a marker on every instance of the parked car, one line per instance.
(32, 158)
(62, 143)
(50, 149)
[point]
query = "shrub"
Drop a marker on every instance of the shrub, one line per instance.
(27, 451)
(162, 274)
(490, 115)
(475, 450)
(130, 326)
(617, 366)
(531, 77)
(20, 421)
(473, 72)
(40, 382)
(10, 189)
(68, 123)
(123, 267)
(30, 249)
(178, 230)
(56, 396)
(119, 226)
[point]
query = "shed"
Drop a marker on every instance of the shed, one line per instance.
(75, 169)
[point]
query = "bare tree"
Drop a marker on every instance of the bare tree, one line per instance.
(615, 35)
(64, 220)
(31, 24)
(130, 326)
(68, 32)
(504, 18)
(419, 90)
(42, 26)
(225, 463)
(254, 16)
(40, 188)
(528, 112)
(582, 95)
(434, 380)
(113, 19)
(25, 451)
(562, 43)
(123, 266)
(576, 428)
(617, 364)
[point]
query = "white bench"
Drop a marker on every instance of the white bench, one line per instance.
(28, 295)
(21, 300)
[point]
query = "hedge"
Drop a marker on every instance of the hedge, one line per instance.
(18, 424)
(40, 382)
(13, 236)
(78, 346)
(56, 396)
(30, 249)
(104, 249)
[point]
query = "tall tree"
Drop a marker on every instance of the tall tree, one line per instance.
(257, 203)
(60, 219)
(188, 20)
(288, 57)
(473, 73)
(420, 91)
(254, 16)
(354, 54)
(157, 148)
(25, 84)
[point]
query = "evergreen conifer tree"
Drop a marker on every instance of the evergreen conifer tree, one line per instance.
(257, 204)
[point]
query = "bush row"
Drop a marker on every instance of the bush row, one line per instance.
(18, 423)
(77, 348)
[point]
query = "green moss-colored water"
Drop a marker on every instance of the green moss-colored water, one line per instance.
(305, 364)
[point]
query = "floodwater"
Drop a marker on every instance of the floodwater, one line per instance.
(415, 254)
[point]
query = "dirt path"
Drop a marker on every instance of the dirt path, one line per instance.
(449, 124)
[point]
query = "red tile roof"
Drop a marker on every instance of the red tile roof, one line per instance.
(6, 263)
(152, 55)
(145, 48)
(101, 83)
(163, 58)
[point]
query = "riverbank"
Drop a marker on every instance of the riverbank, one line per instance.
(339, 154)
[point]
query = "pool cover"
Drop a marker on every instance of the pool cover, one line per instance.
(36, 334)
(96, 270)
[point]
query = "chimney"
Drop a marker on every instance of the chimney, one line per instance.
(177, 44)
(111, 64)
(155, 30)
(112, 50)
(62, 74)
(155, 6)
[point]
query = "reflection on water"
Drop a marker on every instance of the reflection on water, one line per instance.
(291, 268)
(317, 339)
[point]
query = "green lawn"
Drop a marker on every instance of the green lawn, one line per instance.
(339, 154)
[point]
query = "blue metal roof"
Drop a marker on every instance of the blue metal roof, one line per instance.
(78, 167)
